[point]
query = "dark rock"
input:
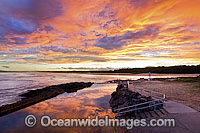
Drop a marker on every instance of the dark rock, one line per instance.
(34, 96)
(123, 97)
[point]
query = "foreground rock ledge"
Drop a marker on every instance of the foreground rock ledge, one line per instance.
(36, 96)
(123, 97)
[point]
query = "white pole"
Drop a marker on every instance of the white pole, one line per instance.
(149, 76)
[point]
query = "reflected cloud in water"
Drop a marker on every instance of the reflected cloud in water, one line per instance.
(93, 101)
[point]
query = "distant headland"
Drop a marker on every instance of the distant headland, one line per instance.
(181, 69)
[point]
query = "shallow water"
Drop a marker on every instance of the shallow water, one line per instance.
(12, 83)
(93, 101)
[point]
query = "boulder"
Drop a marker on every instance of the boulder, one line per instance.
(123, 97)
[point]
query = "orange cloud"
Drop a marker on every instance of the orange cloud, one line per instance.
(73, 31)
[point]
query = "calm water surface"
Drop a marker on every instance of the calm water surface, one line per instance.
(93, 101)
(12, 84)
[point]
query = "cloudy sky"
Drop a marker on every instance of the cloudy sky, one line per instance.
(72, 34)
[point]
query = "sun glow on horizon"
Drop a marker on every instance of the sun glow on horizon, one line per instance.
(100, 34)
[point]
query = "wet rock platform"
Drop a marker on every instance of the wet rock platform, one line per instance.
(35, 96)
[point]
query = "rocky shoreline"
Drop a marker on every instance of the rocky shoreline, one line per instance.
(36, 96)
(124, 97)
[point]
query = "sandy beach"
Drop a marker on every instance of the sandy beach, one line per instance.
(186, 93)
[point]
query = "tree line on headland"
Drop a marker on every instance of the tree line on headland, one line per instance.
(181, 69)
(162, 69)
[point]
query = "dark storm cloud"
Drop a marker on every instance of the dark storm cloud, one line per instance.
(19, 40)
(19, 17)
(108, 23)
(47, 28)
(33, 9)
(116, 42)
(58, 49)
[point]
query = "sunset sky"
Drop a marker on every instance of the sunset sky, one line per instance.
(91, 34)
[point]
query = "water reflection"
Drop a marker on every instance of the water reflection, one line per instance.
(12, 84)
(89, 101)
(93, 101)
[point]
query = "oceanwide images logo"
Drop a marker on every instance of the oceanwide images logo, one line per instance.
(47, 121)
